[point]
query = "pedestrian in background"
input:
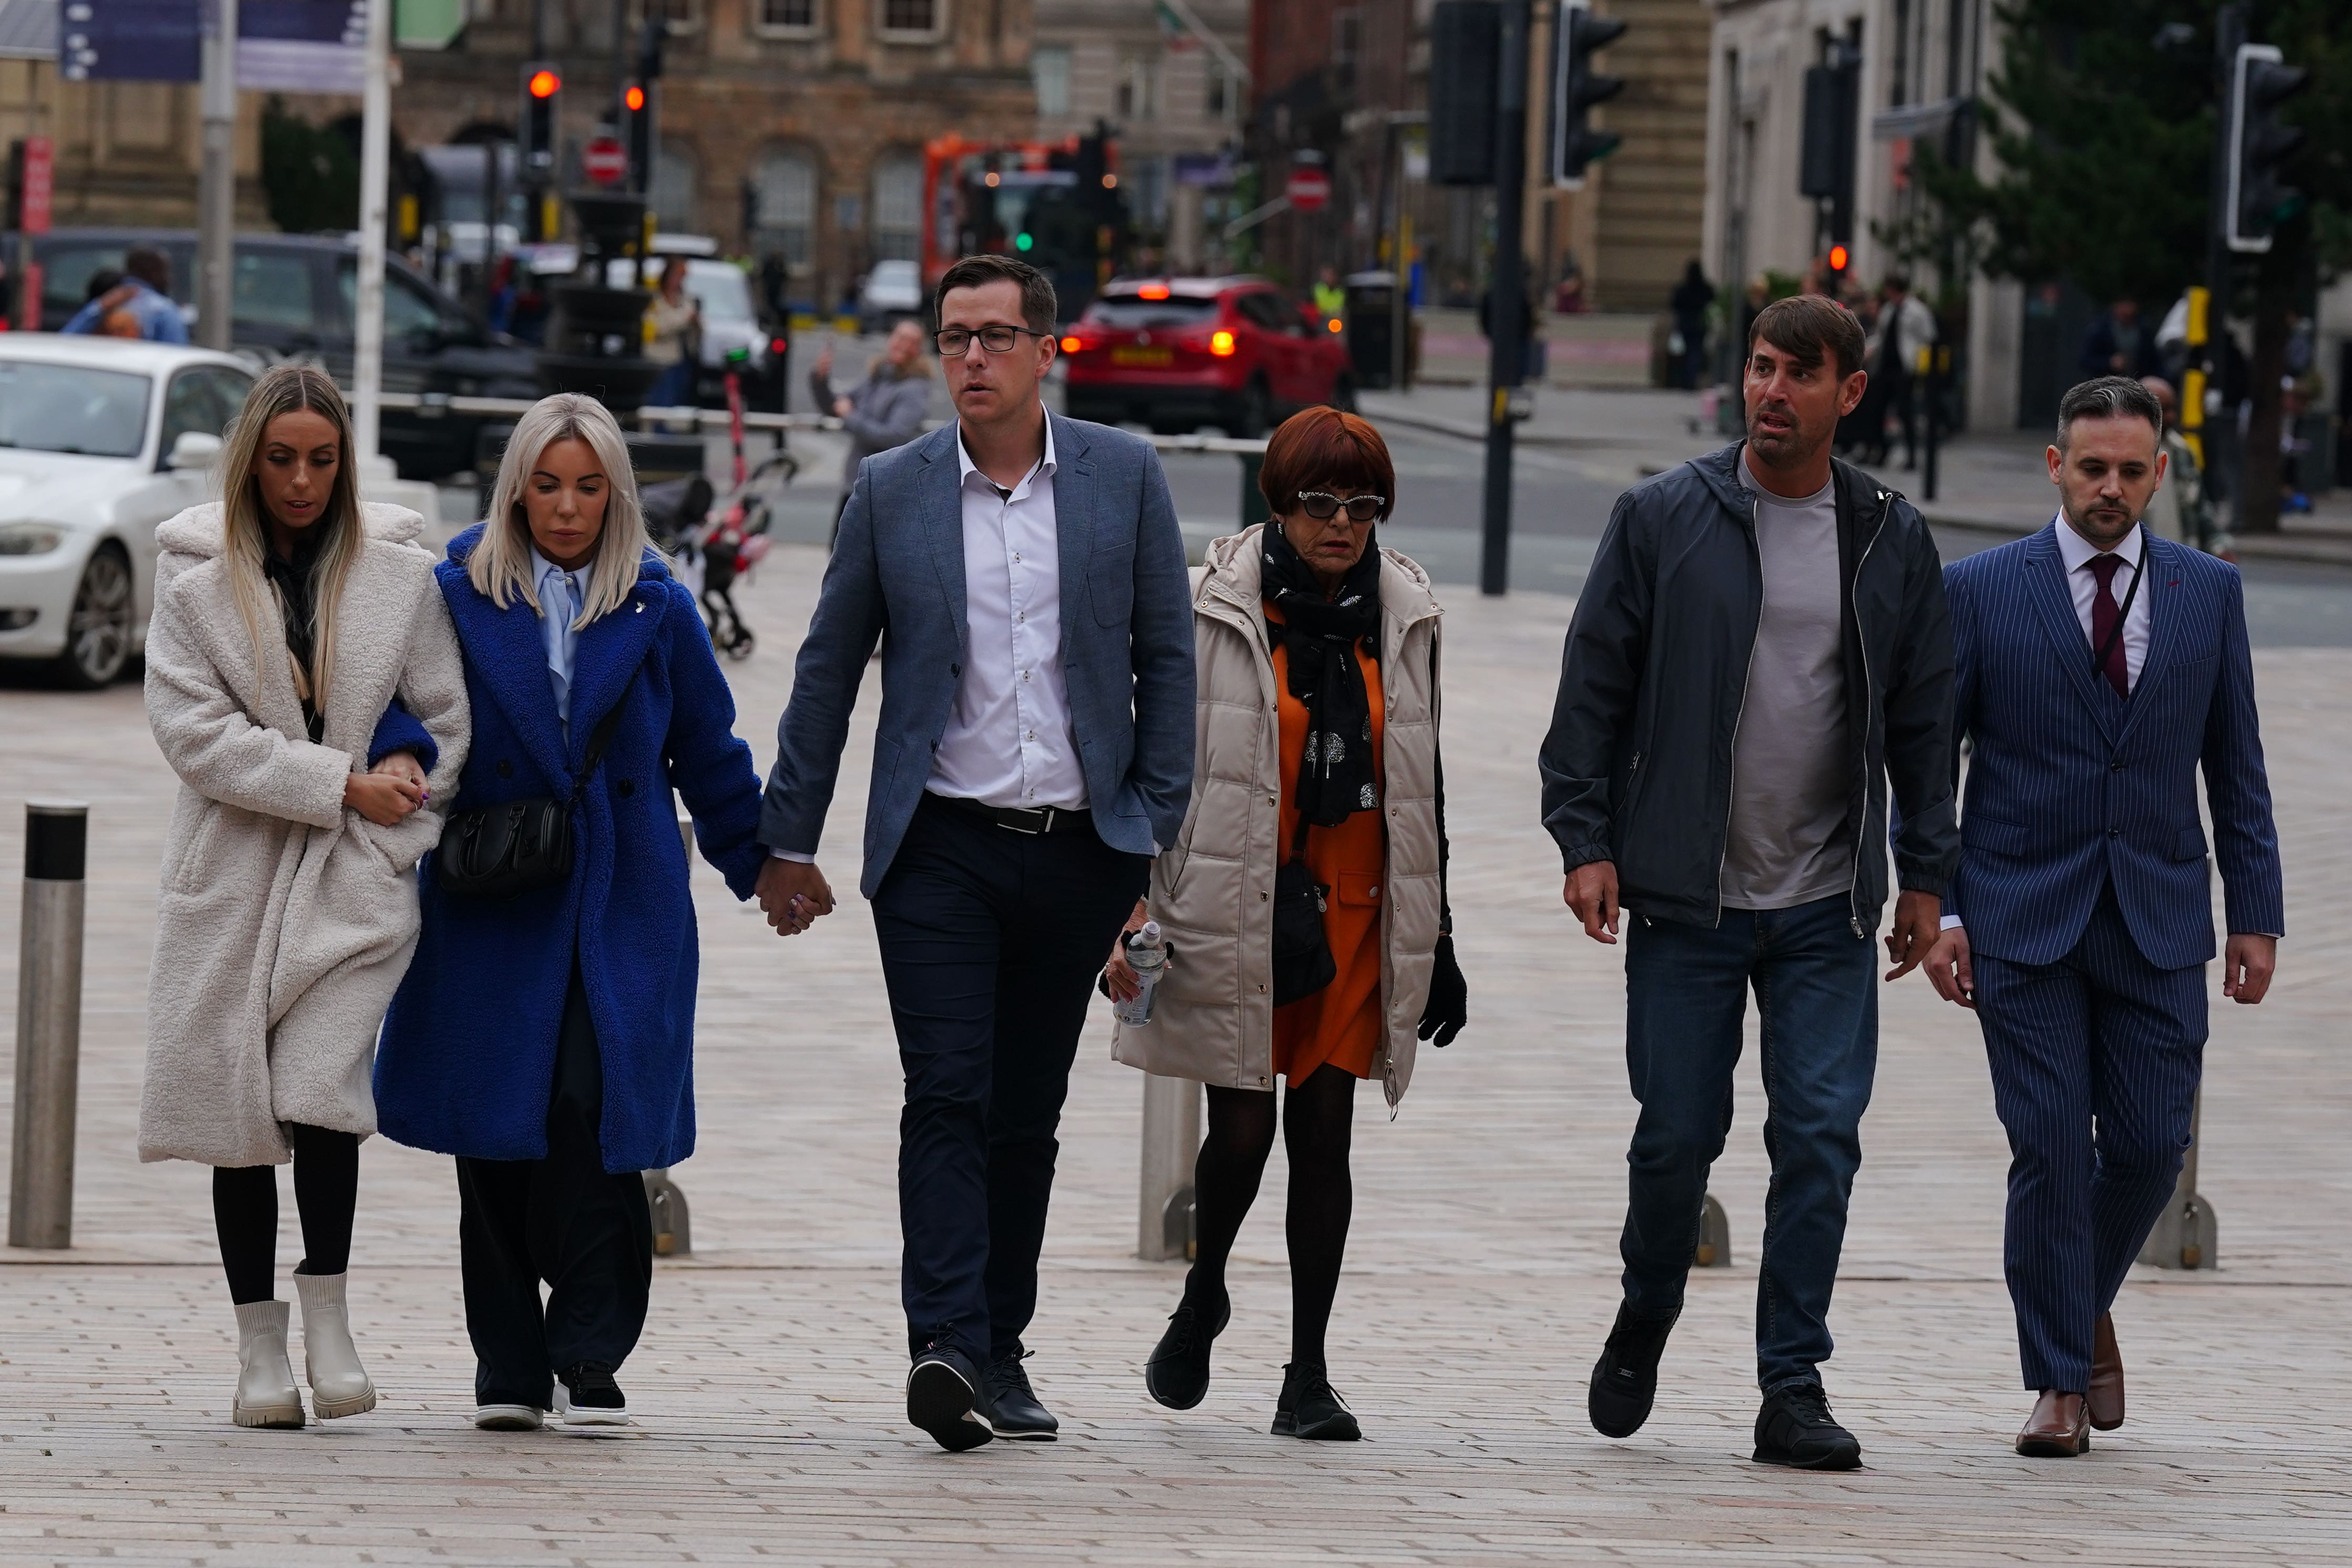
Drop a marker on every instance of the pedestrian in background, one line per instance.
(1317, 655)
(2182, 511)
(1034, 752)
(1761, 643)
(883, 411)
(1691, 301)
(2100, 670)
(143, 297)
(303, 681)
(2119, 344)
(545, 1034)
(673, 328)
(1907, 330)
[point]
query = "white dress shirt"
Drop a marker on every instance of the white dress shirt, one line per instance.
(1009, 740)
(2077, 552)
(560, 594)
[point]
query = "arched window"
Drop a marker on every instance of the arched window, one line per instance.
(676, 172)
(898, 207)
(783, 197)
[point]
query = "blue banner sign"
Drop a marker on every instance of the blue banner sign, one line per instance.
(130, 40)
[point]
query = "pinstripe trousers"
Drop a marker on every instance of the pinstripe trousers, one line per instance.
(2095, 1062)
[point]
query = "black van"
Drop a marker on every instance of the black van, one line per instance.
(293, 297)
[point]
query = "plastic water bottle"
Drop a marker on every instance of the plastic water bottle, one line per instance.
(1148, 958)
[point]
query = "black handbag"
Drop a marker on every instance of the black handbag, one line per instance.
(1302, 953)
(497, 852)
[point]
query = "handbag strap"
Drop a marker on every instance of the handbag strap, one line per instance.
(599, 738)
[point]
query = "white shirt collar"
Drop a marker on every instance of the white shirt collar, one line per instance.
(2074, 550)
(965, 468)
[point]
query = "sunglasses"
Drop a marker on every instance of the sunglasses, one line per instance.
(1323, 506)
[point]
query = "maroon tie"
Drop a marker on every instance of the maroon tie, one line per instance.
(2105, 612)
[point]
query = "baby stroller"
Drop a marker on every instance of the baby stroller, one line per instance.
(714, 542)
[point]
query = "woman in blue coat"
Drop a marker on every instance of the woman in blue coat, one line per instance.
(547, 1039)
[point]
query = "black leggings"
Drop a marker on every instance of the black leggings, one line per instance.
(1316, 1123)
(326, 1194)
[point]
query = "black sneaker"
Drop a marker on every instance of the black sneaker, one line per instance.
(1795, 1428)
(591, 1398)
(1178, 1373)
(1625, 1379)
(942, 1398)
(1013, 1407)
(1309, 1407)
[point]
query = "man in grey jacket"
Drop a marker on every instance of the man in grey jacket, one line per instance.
(1035, 749)
(885, 409)
(1761, 643)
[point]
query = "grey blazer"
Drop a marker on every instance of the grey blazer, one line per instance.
(897, 568)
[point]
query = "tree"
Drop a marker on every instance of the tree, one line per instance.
(2102, 118)
(309, 174)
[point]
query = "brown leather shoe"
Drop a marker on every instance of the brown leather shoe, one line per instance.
(2059, 1428)
(2105, 1398)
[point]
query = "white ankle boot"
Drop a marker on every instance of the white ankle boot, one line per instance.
(339, 1385)
(266, 1395)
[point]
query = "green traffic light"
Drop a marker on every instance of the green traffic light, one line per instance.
(1022, 242)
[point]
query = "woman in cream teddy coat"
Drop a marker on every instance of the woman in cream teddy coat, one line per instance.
(304, 682)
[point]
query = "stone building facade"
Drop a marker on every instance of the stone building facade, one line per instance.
(127, 153)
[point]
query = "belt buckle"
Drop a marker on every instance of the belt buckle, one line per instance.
(1043, 815)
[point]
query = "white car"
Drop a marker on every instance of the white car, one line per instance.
(892, 292)
(100, 440)
(730, 322)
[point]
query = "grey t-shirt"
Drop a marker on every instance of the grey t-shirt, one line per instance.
(1787, 844)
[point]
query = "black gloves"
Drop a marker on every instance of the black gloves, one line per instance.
(1448, 1007)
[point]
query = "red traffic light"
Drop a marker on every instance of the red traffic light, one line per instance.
(1838, 257)
(544, 83)
(634, 99)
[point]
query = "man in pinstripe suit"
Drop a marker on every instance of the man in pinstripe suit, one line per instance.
(2099, 668)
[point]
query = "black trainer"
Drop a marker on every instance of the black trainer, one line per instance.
(1309, 1407)
(1178, 1373)
(1625, 1379)
(591, 1398)
(1795, 1428)
(942, 1398)
(1013, 1407)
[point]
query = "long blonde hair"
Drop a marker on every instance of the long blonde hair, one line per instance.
(290, 389)
(499, 567)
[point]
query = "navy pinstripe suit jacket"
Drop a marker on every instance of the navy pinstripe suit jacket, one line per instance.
(2071, 788)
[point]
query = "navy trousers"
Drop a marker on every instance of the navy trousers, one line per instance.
(2095, 1061)
(1817, 997)
(991, 942)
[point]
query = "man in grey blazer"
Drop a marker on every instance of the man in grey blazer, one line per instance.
(1035, 751)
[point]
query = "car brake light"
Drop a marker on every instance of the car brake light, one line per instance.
(1071, 345)
(1334, 324)
(777, 345)
(1153, 291)
(1220, 343)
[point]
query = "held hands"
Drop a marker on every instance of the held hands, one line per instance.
(1917, 919)
(2246, 966)
(1592, 892)
(386, 795)
(793, 894)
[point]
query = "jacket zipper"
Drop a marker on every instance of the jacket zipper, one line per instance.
(1853, 890)
(1732, 791)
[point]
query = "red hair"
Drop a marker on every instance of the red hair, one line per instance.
(1323, 448)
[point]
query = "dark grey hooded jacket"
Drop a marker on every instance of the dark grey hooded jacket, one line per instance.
(1637, 765)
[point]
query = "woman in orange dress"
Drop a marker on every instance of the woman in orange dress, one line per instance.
(1316, 791)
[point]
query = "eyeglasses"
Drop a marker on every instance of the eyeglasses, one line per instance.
(953, 340)
(1323, 506)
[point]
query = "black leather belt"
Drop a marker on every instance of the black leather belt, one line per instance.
(1015, 819)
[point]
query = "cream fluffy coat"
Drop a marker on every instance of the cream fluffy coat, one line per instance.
(286, 919)
(1212, 891)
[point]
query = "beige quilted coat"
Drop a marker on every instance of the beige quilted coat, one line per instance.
(1211, 891)
(286, 919)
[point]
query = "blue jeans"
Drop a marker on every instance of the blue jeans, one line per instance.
(1687, 993)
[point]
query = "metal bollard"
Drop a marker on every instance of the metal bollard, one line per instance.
(1171, 1141)
(48, 1025)
(2186, 1235)
(1714, 1249)
(673, 1235)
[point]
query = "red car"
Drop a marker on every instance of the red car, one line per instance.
(1176, 354)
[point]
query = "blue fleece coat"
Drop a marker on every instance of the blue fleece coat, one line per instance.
(467, 1059)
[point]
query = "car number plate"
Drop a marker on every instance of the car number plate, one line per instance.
(1142, 356)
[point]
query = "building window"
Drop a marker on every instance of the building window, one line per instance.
(898, 207)
(1137, 95)
(913, 20)
(784, 19)
(1049, 68)
(683, 15)
(1346, 35)
(784, 203)
(676, 170)
(1217, 99)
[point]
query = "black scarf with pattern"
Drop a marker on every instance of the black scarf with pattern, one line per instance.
(1324, 637)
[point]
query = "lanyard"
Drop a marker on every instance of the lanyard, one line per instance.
(2123, 614)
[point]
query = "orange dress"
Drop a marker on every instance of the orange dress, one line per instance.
(1342, 1023)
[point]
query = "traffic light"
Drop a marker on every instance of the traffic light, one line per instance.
(1840, 258)
(1576, 88)
(2260, 144)
(1466, 71)
(542, 95)
(637, 133)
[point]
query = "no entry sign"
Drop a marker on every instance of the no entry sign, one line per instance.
(1308, 189)
(605, 161)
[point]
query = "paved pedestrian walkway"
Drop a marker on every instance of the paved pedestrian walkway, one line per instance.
(1482, 1271)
